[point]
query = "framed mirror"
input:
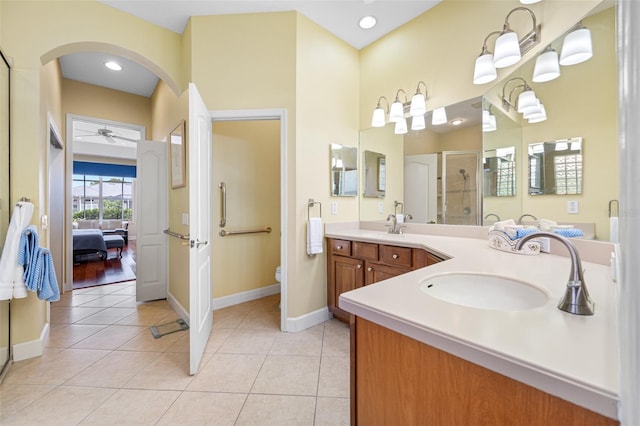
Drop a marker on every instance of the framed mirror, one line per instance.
(555, 167)
(375, 174)
(344, 171)
(499, 172)
(5, 314)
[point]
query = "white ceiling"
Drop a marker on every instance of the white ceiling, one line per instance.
(339, 17)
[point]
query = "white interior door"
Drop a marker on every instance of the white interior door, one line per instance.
(200, 303)
(151, 220)
(421, 187)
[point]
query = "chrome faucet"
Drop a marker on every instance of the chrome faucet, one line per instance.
(492, 214)
(395, 227)
(576, 298)
(525, 215)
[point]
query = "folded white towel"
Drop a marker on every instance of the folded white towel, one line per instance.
(501, 224)
(11, 274)
(546, 224)
(314, 235)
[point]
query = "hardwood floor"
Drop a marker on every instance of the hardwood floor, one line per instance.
(90, 273)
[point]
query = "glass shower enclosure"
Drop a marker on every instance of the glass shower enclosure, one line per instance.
(461, 192)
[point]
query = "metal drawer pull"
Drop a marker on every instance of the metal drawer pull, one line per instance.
(395, 256)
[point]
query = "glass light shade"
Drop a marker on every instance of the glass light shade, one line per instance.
(396, 113)
(491, 124)
(538, 117)
(439, 116)
(377, 120)
(527, 99)
(529, 1)
(484, 71)
(418, 105)
(547, 67)
(532, 110)
(576, 47)
(485, 117)
(401, 127)
(507, 50)
(417, 122)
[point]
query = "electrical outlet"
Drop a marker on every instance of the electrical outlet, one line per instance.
(545, 244)
(572, 207)
(380, 207)
(334, 208)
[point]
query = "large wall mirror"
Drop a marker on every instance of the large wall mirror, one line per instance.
(344, 171)
(5, 339)
(375, 174)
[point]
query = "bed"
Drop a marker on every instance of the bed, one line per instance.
(88, 241)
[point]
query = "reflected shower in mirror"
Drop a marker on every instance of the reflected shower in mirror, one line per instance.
(344, 171)
(375, 174)
(555, 167)
(499, 171)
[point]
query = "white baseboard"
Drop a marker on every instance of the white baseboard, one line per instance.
(32, 348)
(308, 320)
(180, 310)
(245, 296)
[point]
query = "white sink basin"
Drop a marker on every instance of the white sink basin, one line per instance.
(484, 291)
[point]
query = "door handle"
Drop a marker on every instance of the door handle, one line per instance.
(197, 243)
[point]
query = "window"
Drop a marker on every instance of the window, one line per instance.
(568, 173)
(102, 197)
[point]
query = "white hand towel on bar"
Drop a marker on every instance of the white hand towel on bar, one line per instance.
(11, 274)
(314, 235)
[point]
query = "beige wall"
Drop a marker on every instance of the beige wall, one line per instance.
(246, 156)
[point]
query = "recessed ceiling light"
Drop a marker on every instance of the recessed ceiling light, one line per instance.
(367, 22)
(113, 66)
(456, 122)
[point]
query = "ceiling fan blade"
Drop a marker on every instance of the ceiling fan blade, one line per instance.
(109, 138)
(125, 138)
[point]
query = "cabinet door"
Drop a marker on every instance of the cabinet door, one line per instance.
(377, 272)
(349, 274)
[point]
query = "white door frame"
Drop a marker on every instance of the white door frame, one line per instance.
(270, 114)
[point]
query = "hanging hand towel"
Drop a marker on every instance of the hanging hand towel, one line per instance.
(314, 236)
(11, 274)
(27, 251)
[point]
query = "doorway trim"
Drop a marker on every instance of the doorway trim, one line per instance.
(270, 114)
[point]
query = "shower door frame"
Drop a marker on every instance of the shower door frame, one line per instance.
(443, 183)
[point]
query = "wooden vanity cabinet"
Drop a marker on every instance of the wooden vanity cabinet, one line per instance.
(352, 264)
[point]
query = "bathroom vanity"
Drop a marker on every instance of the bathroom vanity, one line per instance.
(353, 264)
(417, 359)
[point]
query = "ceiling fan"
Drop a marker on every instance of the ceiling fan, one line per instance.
(109, 135)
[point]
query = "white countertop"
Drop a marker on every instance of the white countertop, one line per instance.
(570, 356)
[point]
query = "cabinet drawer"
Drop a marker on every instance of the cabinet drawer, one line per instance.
(341, 247)
(397, 256)
(365, 251)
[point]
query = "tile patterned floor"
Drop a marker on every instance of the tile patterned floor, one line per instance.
(102, 366)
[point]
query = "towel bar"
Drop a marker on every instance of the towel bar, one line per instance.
(224, 233)
(310, 206)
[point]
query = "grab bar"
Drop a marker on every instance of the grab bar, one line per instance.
(223, 204)
(175, 234)
(224, 233)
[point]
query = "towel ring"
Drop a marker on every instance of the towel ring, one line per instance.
(611, 203)
(310, 206)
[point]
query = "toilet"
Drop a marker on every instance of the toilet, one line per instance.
(278, 274)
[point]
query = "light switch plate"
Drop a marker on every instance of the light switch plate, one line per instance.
(572, 207)
(334, 208)
(380, 207)
(185, 218)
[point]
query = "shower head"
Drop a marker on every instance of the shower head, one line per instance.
(462, 171)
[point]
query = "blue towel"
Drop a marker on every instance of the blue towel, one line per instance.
(570, 232)
(27, 250)
(525, 231)
(39, 273)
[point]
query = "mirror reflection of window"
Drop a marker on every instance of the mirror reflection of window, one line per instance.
(500, 172)
(344, 171)
(375, 173)
(555, 167)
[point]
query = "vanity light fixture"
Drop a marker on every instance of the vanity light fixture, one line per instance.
(508, 49)
(401, 127)
(378, 118)
(489, 123)
(547, 67)
(114, 66)
(528, 104)
(396, 113)
(439, 116)
(417, 122)
(418, 101)
(577, 46)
